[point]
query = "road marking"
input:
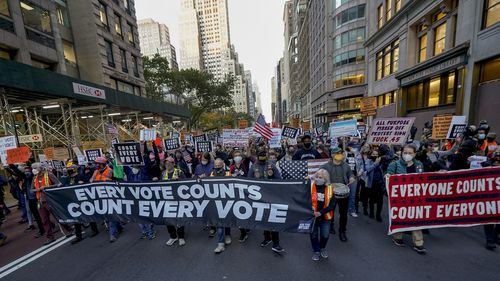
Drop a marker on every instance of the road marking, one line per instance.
(24, 260)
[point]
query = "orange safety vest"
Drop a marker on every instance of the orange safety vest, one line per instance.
(492, 147)
(44, 183)
(328, 197)
(104, 176)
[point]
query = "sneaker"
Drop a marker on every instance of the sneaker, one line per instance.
(182, 242)
(332, 231)
(220, 248)
(39, 234)
(2, 240)
(112, 239)
(420, 249)
(324, 254)
(227, 240)
(78, 239)
(143, 236)
(354, 215)
(30, 228)
(171, 241)
(315, 256)
(278, 249)
(211, 233)
(265, 243)
(243, 238)
(342, 237)
(491, 246)
(152, 236)
(398, 242)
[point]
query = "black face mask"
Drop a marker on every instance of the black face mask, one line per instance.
(307, 145)
(373, 158)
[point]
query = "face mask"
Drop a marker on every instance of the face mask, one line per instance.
(307, 145)
(135, 171)
(238, 159)
(218, 169)
(407, 157)
(320, 181)
(481, 136)
(35, 172)
(338, 157)
(204, 162)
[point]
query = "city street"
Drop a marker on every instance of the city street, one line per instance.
(453, 254)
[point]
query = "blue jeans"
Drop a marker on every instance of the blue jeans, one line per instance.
(222, 232)
(352, 197)
(114, 227)
(147, 229)
(320, 235)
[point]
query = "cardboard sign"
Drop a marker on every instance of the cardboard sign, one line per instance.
(390, 130)
(147, 135)
(49, 153)
(368, 106)
(441, 126)
(200, 138)
(306, 126)
(343, 128)
(235, 137)
(5, 144)
(295, 122)
(290, 132)
(129, 153)
(242, 124)
(172, 144)
(60, 153)
(18, 155)
(212, 134)
(457, 126)
(30, 138)
(92, 154)
(204, 146)
(275, 141)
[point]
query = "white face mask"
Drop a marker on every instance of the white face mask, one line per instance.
(320, 181)
(237, 159)
(35, 172)
(135, 171)
(204, 162)
(407, 157)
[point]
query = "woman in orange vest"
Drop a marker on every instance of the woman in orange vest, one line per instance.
(322, 206)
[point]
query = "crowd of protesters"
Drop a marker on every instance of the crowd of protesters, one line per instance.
(352, 182)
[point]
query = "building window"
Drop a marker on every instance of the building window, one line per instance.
(126, 4)
(339, 3)
(355, 56)
(6, 54)
(123, 86)
(135, 66)
(450, 88)
(490, 70)
(350, 14)
(36, 17)
(398, 5)
(491, 12)
(388, 7)
(123, 57)
(62, 13)
(439, 40)
(109, 53)
(352, 36)
(118, 25)
(348, 104)
(130, 34)
(386, 99)
(380, 16)
(69, 53)
(349, 79)
(434, 90)
(422, 48)
(103, 14)
(4, 8)
(387, 60)
(437, 91)
(40, 64)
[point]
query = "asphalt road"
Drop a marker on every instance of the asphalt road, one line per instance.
(453, 254)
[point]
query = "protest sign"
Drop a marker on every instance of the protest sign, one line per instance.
(92, 154)
(457, 126)
(49, 153)
(60, 153)
(475, 161)
(361, 129)
(242, 124)
(343, 128)
(172, 144)
(212, 134)
(227, 126)
(200, 138)
(129, 153)
(147, 135)
(204, 146)
(229, 202)
(77, 150)
(235, 137)
(368, 106)
(290, 132)
(450, 199)
(5, 144)
(318, 131)
(275, 141)
(114, 141)
(58, 165)
(18, 155)
(440, 126)
(390, 130)
(306, 126)
(81, 160)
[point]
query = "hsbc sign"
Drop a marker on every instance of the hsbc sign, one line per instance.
(89, 91)
(30, 138)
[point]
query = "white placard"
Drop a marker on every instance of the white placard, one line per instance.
(5, 144)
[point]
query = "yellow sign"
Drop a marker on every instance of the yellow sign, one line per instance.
(440, 126)
(296, 122)
(306, 126)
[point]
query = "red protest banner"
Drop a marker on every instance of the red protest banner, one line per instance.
(18, 155)
(450, 199)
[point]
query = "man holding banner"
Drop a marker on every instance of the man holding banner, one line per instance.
(172, 173)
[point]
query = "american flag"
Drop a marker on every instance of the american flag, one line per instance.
(261, 128)
(299, 169)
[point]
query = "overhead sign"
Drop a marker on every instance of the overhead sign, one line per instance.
(172, 144)
(235, 137)
(5, 144)
(390, 130)
(129, 153)
(290, 132)
(368, 106)
(275, 141)
(85, 90)
(18, 155)
(30, 138)
(204, 146)
(92, 154)
(457, 126)
(343, 128)
(441, 126)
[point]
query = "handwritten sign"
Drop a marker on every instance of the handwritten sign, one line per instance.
(390, 130)
(18, 155)
(60, 153)
(5, 144)
(235, 137)
(440, 126)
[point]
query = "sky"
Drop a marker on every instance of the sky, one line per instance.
(256, 30)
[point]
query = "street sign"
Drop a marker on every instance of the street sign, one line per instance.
(30, 138)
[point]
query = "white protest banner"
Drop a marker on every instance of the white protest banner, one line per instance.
(457, 126)
(204, 146)
(343, 128)
(275, 141)
(235, 137)
(172, 144)
(147, 135)
(390, 130)
(129, 153)
(92, 154)
(290, 132)
(30, 138)
(5, 144)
